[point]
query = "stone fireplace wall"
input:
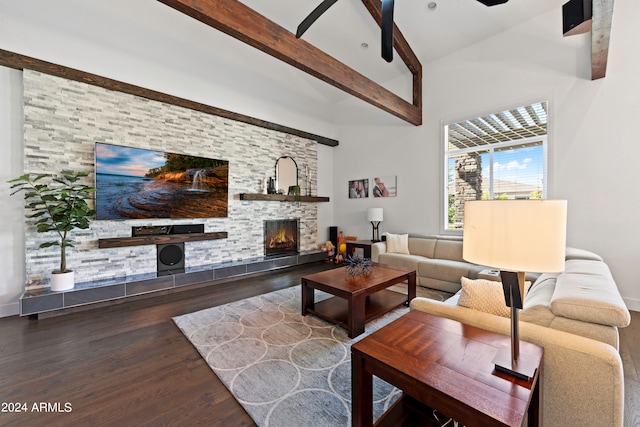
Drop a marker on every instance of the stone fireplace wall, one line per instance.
(62, 121)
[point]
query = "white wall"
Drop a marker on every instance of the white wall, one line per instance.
(11, 208)
(593, 141)
(325, 188)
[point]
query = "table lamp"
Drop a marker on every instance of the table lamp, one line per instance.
(515, 236)
(374, 215)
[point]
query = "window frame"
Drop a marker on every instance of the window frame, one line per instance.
(446, 153)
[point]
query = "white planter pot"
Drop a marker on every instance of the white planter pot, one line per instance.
(62, 281)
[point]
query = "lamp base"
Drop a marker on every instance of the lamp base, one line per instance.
(375, 237)
(522, 368)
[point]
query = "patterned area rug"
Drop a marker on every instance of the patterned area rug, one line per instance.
(283, 368)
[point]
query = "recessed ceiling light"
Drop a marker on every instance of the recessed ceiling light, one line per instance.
(432, 5)
(364, 45)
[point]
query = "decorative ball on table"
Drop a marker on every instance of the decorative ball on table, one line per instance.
(357, 266)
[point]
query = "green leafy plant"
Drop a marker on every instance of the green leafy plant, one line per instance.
(535, 194)
(451, 211)
(59, 202)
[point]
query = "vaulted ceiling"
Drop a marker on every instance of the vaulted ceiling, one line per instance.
(345, 40)
(269, 26)
(245, 24)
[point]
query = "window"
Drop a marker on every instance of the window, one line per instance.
(498, 156)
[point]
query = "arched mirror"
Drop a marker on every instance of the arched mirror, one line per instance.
(286, 173)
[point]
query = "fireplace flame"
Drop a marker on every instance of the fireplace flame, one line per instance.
(279, 239)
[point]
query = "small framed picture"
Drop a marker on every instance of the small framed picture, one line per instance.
(384, 186)
(359, 188)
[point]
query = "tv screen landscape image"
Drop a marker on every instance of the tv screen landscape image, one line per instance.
(134, 183)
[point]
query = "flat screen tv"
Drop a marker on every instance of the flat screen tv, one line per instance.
(135, 183)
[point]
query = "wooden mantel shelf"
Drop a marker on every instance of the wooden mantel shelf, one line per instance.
(161, 239)
(281, 198)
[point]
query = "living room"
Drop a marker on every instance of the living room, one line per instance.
(529, 62)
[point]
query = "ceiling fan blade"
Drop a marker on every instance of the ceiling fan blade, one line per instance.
(319, 10)
(492, 2)
(387, 30)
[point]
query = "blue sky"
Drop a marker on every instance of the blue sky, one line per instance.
(523, 165)
(114, 159)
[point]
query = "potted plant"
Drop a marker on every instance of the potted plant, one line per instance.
(59, 204)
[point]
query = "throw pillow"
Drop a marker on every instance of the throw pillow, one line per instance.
(398, 243)
(485, 295)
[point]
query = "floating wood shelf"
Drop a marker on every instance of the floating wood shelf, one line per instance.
(282, 198)
(161, 239)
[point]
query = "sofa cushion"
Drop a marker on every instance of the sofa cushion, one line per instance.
(443, 269)
(398, 243)
(588, 293)
(575, 253)
(422, 246)
(537, 304)
(541, 291)
(449, 249)
(537, 309)
(485, 295)
(582, 266)
(400, 260)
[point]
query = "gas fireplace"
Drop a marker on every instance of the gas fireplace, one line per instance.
(281, 237)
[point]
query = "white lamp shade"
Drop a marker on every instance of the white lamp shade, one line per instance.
(374, 214)
(516, 235)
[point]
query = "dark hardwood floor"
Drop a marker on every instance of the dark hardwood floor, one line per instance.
(124, 365)
(129, 365)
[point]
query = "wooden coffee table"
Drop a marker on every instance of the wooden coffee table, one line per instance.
(445, 365)
(356, 301)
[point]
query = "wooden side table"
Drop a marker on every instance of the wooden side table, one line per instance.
(365, 245)
(445, 365)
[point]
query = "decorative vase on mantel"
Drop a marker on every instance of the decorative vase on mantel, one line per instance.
(358, 267)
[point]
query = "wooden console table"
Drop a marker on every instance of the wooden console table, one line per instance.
(365, 245)
(445, 365)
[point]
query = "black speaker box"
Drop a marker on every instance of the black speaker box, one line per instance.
(333, 235)
(576, 17)
(187, 228)
(151, 230)
(170, 258)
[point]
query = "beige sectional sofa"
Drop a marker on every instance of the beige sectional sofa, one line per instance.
(437, 260)
(575, 316)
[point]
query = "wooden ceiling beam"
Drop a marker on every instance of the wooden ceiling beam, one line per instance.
(243, 23)
(600, 35)
(404, 50)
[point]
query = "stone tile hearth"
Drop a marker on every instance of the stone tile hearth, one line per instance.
(44, 300)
